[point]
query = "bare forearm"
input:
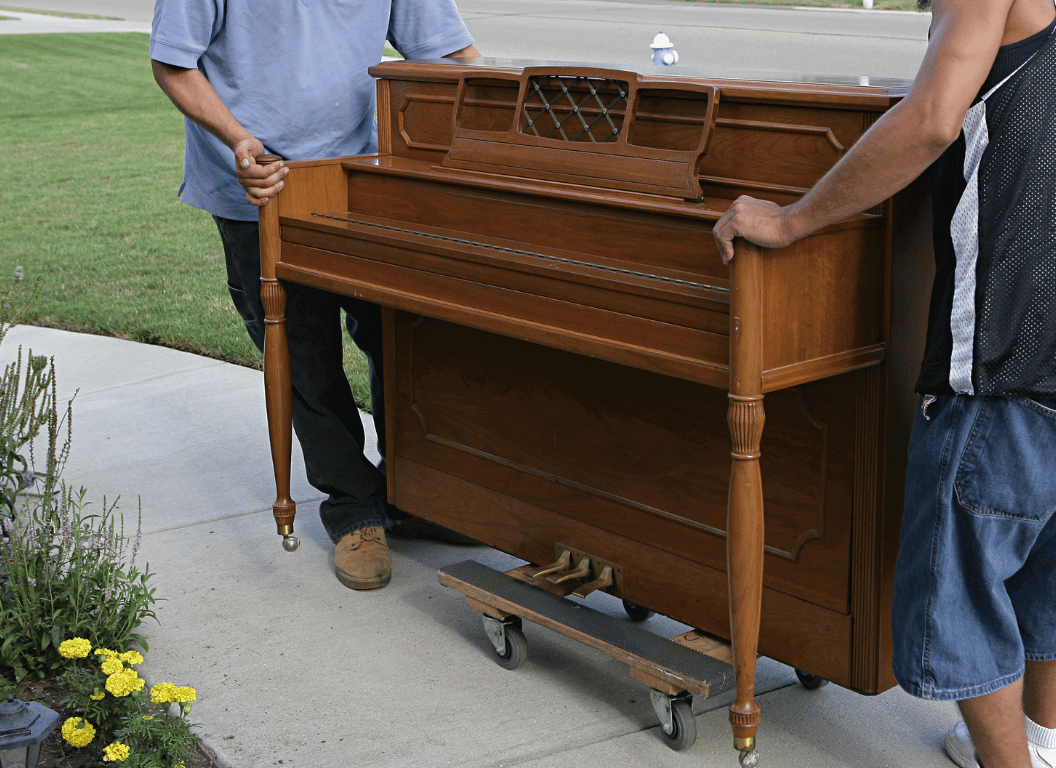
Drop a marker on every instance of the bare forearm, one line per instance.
(965, 37)
(194, 97)
(894, 152)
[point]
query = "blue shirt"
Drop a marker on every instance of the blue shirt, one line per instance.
(293, 73)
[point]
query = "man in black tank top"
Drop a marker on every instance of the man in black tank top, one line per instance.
(974, 609)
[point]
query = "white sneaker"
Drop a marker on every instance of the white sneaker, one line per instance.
(961, 750)
(959, 746)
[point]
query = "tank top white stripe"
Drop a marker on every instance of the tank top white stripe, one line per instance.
(964, 231)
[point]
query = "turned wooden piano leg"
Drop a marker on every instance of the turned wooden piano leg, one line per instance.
(278, 391)
(744, 552)
(744, 525)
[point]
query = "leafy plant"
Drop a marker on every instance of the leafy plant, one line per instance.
(25, 406)
(66, 570)
(67, 575)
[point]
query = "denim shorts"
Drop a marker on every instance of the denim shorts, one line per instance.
(975, 582)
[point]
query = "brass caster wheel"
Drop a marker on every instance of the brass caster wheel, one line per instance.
(749, 759)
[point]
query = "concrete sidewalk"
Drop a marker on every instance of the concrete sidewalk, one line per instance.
(291, 668)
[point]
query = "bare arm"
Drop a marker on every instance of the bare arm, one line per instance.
(470, 52)
(965, 37)
(194, 97)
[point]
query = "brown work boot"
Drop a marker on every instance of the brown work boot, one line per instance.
(361, 559)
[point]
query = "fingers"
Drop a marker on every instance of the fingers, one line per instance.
(261, 182)
(724, 231)
(723, 235)
(758, 221)
(245, 152)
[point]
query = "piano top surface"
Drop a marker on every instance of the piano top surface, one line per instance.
(887, 87)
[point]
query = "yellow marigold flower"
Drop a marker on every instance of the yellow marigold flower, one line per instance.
(116, 752)
(112, 667)
(124, 682)
(97, 696)
(107, 653)
(75, 648)
(183, 694)
(132, 658)
(78, 731)
(163, 693)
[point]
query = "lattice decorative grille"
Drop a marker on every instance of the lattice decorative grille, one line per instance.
(575, 108)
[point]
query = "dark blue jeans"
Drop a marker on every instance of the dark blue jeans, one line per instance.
(325, 415)
(976, 571)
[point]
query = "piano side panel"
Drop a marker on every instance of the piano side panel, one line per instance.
(910, 275)
(823, 297)
(314, 186)
(625, 451)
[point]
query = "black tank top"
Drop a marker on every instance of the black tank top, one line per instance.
(992, 322)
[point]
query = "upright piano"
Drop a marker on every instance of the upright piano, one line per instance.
(569, 365)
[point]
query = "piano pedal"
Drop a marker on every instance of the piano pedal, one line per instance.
(581, 571)
(560, 564)
(603, 581)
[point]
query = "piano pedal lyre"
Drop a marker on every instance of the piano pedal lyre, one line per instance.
(571, 566)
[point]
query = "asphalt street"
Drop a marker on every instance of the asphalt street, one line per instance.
(708, 37)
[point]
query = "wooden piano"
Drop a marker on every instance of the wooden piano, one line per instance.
(569, 366)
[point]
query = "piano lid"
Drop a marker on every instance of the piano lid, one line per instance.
(889, 87)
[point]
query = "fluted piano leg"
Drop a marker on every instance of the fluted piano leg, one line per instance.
(744, 524)
(744, 552)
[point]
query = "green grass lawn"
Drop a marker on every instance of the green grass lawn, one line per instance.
(92, 159)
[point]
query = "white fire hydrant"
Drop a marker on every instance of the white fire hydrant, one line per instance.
(664, 54)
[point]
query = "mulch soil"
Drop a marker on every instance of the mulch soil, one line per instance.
(56, 753)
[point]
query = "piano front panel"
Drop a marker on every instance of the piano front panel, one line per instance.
(770, 142)
(612, 449)
(768, 149)
(418, 117)
(598, 442)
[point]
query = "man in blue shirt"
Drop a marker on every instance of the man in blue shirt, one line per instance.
(290, 77)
